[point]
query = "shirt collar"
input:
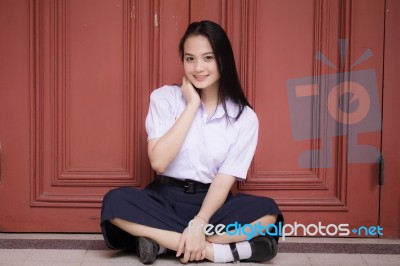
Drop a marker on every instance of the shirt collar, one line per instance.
(231, 107)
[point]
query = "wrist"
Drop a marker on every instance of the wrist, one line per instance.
(200, 218)
(193, 104)
(196, 227)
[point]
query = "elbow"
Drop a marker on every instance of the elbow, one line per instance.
(158, 163)
(158, 167)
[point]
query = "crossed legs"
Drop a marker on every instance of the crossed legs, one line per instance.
(170, 239)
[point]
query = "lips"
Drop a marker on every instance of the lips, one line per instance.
(200, 77)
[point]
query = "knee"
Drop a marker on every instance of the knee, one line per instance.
(111, 193)
(270, 210)
(114, 196)
(109, 196)
(116, 193)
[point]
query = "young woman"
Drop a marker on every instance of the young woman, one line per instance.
(201, 139)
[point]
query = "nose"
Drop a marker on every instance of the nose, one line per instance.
(199, 66)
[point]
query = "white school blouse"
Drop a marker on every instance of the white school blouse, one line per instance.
(212, 145)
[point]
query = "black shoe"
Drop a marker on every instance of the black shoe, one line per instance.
(147, 249)
(263, 248)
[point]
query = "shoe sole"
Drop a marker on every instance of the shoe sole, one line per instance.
(146, 250)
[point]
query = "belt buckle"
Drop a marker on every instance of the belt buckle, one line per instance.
(189, 186)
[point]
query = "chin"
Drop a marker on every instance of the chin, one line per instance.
(197, 85)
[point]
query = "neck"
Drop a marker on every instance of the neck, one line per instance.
(210, 99)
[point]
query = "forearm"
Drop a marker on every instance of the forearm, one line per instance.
(216, 195)
(163, 150)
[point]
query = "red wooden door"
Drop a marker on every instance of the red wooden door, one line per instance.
(299, 60)
(76, 78)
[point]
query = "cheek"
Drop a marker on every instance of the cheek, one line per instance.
(190, 78)
(186, 68)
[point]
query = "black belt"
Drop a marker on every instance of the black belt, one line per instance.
(189, 186)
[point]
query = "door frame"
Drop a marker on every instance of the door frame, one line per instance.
(390, 197)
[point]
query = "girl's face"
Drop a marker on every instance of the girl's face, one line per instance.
(200, 63)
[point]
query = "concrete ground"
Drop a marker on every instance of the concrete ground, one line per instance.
(89, 249)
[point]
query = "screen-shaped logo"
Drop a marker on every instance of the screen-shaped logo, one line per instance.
(327, 106)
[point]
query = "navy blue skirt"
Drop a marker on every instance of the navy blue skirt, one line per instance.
(170, 208)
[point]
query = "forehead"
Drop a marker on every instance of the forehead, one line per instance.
(197, 45)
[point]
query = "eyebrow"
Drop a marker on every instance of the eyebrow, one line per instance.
(202, 54)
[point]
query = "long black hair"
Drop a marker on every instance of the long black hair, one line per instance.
(229, 85)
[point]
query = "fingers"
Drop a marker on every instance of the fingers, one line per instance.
(191, 248)
(187, 87)
(180, 247)
(186, 257)
(191, 255)
(203, 254)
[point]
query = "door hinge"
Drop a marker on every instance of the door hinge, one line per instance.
(381, 164)
(155, 20)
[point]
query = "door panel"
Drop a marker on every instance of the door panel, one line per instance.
(84, 111)
(91, 73)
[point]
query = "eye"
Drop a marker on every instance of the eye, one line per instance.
(189, 59)
(209, 58)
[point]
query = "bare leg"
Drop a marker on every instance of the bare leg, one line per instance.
(165, 238)
(168, 239)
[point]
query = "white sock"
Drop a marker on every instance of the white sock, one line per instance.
(223, 253)
(162, 250)
(244, 250)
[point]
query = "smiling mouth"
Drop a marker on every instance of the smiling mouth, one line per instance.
(200, 78)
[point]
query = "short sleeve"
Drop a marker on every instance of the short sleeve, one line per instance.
(241, 153)
(161, 113)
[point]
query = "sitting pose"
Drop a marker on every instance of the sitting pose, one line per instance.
(202, 136)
